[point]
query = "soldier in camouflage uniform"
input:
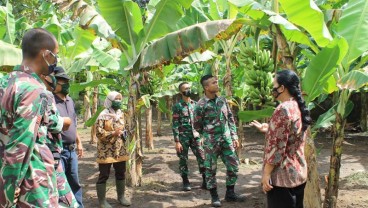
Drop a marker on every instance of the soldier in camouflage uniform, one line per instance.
(27, 169)
(185, 136)
(214, 120)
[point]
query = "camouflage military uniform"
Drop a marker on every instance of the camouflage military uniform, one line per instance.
(185, 134)
(66, 197)
(214, 120)
(27, 163)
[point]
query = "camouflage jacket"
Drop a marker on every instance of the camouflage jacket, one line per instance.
(183, 117)
(27, 163)
(214, 120)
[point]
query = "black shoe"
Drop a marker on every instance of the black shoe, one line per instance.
(231, 196)
(186, 184)
(215, 200)
(204, 185)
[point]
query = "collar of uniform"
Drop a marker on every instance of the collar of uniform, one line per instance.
(183, 102)
(59, 100)
(28, 70)
(207, 99)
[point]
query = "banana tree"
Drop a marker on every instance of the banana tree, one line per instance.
(311, 26)
(337, 58)
(240, 92)
(330, 66)
(131, 36)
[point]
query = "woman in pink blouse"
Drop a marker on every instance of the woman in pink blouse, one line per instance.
(284, 165)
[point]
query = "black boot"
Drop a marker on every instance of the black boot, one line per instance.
(231, 196)
(215, 200)
(186, 184)
(204, 185)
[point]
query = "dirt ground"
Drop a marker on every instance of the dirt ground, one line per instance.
(162, 184)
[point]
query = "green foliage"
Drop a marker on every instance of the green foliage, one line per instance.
(11, 55)
(124, 17)
(90, 122)
(353, 80)
(306, 14)
(353, 26)
(327, 119)
(162, 105)
(77, 87)
(175, 46)
(247, 116)
(322, 67)
(7, 23)
(28, 9)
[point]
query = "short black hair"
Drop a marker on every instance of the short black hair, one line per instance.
(205, 78)
(36, 39)
(181, 84)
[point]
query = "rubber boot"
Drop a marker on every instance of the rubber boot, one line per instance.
(120, 190)
(186, 184)
(101, 194)
(215, 200)
(204, 185)
(231, 196)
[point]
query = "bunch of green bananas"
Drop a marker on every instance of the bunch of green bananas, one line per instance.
(257, 78)
(258, 66)
(250, 58)
(260, 83)
(264, 61)
(261, 96)
(246, 55)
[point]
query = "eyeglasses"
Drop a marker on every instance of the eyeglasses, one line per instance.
(55, 57)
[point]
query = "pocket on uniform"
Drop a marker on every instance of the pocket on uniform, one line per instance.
(224, 112)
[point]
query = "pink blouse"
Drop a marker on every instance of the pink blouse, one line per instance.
(284, 146)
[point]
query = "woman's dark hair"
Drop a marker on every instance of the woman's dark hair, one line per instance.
(290, 80)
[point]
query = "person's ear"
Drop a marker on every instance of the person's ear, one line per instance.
(282, 89)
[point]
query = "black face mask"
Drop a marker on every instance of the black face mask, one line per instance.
(187, 93)
(52, 68)
(53, 82)
(275, 93)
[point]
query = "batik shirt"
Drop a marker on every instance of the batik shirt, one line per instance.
(214, 120)
(183, 116)
(284, 146)
(110, 148)
(27, 164)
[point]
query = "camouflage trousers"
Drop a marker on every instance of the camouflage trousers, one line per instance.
(225, 150)
(66, 196)
(197, 148)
